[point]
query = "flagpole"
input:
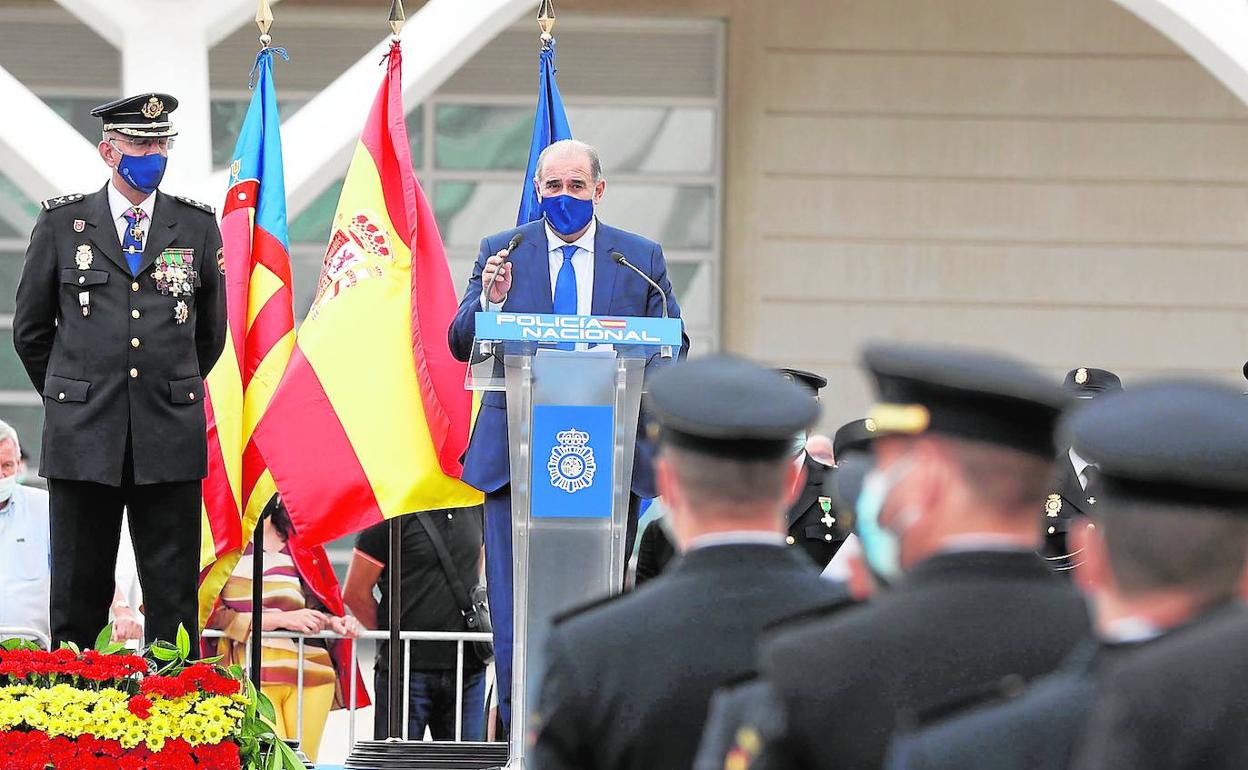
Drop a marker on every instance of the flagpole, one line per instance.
(264, 20)
(395, 562)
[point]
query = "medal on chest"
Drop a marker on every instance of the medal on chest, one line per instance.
(173, 273)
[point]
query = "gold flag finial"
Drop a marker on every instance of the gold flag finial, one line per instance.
(546, 19)
(264, 20)
(397, 17)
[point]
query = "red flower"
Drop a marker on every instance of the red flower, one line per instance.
(140, 706)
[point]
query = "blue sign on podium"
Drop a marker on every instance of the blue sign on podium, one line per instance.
(572, 462)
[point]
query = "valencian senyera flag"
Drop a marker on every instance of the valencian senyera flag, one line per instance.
(260, 315)
(371, 417)
(550, 125)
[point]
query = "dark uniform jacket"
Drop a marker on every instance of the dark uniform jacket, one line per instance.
(1181, 704)
(958, 622)
(132, 369)
(628, 683)
(1065, 507)
(812, 524)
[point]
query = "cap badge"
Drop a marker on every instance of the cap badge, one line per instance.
(79, 225)
(1053, 505)
(153, 108)
(1081, 376)
(181, 313)
(869, 424)
(83, 257)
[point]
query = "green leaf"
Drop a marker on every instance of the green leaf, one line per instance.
(114, 648)
(77, 650)
(104, 638)
(160, 653)
(290, 760)
(11, 644)
(184, 642)
(236, 671)
(265, 707)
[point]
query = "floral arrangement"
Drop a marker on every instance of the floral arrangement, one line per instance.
(106, 708)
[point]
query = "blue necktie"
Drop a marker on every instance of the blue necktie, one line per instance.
(132, 242)
(565, 289)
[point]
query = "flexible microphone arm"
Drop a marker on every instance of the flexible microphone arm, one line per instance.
(666, 350)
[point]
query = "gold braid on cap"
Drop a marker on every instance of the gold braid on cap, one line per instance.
(908, 419)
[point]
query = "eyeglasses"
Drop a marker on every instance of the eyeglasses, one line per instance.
(147, 142)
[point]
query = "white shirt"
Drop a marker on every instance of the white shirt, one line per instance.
(739, 537)
(118, 205)
(1080, 465)
(25, 574)
(582, 262)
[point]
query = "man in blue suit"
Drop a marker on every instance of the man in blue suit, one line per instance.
(563, 263)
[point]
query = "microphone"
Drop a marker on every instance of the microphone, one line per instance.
(515, 241)
(487, 347)
(666, 350)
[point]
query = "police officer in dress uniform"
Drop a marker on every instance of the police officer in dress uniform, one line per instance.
(120, 314)
(1162, 561)
(1074, 494)
(628, 681)
(946, 520)
(812, 523)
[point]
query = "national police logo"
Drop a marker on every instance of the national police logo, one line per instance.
(571, 462)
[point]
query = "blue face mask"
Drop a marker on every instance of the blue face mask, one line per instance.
(143, 172)
(881, 547)
(566, 214)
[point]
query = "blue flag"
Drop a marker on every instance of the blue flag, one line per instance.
(550, 124)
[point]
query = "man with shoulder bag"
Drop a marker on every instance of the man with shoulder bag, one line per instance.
(439, 591)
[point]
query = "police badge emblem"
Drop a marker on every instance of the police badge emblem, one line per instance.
(1053, 506)
(83, 257)
(181, 312)
(80, 225)
(571, 463)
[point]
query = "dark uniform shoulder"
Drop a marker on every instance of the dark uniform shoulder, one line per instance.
(1006, 688)
(61, 200)
(582, 609)
(816, 612)
(194, 204)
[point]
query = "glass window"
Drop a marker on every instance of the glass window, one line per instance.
(76, 110)
(677, 216)
(227, 117)
(27, 420)
(473, 137)
(12, 373)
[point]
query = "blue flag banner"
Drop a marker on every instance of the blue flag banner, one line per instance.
(550, 125)
(572, 462)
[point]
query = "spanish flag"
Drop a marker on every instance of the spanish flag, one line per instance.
(371, 417)
(259, 311)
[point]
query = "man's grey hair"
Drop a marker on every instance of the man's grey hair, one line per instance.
(595, 164)
(8, 434)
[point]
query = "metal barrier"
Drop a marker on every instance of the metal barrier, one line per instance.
(407, 637)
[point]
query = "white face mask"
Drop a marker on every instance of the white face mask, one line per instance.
(7, 485)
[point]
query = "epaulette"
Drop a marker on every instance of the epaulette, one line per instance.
(61, 200)
(581, 609)
(194, 204)
(1003, 689)
(817, 612)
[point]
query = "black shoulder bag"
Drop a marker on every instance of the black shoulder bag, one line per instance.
(474, 607)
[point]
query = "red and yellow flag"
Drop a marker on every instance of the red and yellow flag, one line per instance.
(371, 417)
(260, 314)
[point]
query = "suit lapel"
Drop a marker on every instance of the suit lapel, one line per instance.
(163, 231)
(534, 255)
(103, 232)
(605, 269)
(810, 493)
